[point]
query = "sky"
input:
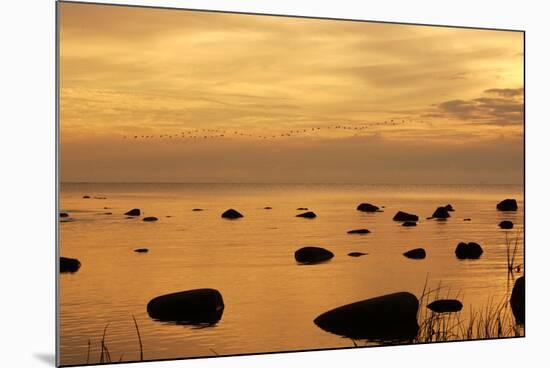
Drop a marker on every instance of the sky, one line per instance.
(158, 95)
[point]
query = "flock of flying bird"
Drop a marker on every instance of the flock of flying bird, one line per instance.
(197, 134)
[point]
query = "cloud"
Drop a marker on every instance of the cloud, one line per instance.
(505, 109)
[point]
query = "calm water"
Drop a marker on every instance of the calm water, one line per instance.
(270, 301)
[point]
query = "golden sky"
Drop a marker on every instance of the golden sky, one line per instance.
(379, 103)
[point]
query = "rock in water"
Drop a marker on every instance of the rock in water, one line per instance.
(403, 216)
(359, 231)
(86, 197)
(408, 223)
(63, 214)
(441, 213)
(267, 208)
(141, 250)
(517, 300)
(506, 225)
(197, 209)
(312, 255)
(508, 205)
(133, 212)
(150, 219)
(367, 207)
(302, 209)
(199, 306)
(231, 214)
(309, 215)
(445, 305)
(468, 251)
(356, 254)
(70, 265)
(418, 253)
(387, 317)
(449, 208)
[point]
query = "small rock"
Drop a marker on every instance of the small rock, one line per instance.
(309, 215)
(445, 306)
(63, 214)
(467, 219)
(359, 231)
(408, 224)
(150, 219)
(133, 212)
(403, 216)
(141, 250)
(418, 253)
(312, 255)
(108, 213)
(506, 225)
(507, 205)
(86, 197)
(302, 209)
(197, 209)
(267, 208)
(468, 251)
(367, 207)
(70, 265)
(356, 254)
(441, 213)
(517, 300)
(231, 214)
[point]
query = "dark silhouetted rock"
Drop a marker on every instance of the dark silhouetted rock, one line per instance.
(302, 209)
(197, 209)
(150, 219)
(356, 254)
(449, 208)
(418, 253)
(312, 255)
(367, 207)
(445, 305)
(70, 265)
(100, 197)
(199, 306)
(403, 216)
(468, 251)
(467, 219)
(359, 231)
(408, 224)
(133, 212)
(507, 205)
(441, 213)
(309, 215)
(86, 197)
(506, 224)
(517, 300)
(267, 208)
(141, 250)
(63, 214)
(231, 214)
(387, 317)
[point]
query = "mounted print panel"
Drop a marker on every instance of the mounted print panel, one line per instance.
(244, 183)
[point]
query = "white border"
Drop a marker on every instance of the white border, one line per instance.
(28, 185)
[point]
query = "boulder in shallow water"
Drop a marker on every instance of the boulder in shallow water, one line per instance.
(197, 209)
(384, 318)
(86, 197)
(418, 253)
(312, 255)
(449, 208)
(409, 224)
(150, 219)
(198, 306)
(367, 207)
(468, 250)
(356, 254)
(133, 212)
(507, 205)
(267, 208)
(302, 209)
(506, 225)
(231, 214)
(467, 219)
(403, 216)
(309, 215)
(359, 231)
(445, 305)
(441, 213)
(63, 214)
(70, 265)
(141, 250)
(517, 300)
